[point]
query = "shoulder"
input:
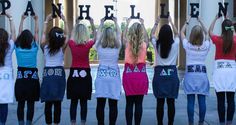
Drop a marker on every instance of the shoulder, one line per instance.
(215, 38)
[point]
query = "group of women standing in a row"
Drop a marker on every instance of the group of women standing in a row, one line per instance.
(108, 41)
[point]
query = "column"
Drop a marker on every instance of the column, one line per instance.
(182, 18)
(69, 13)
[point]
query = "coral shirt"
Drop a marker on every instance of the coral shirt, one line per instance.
(218, 41)
(142, 54)
(80, 54)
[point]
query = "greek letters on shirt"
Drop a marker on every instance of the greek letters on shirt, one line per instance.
(167, 72)
(197, 68)
(52, 72)
(27, 74)
(136, 69)
(108, 72)
(221, 65)
(77, 74)
(4, 76)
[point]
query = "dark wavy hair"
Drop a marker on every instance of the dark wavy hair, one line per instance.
(56, 40)
(227, 35)
(4, 45)
(25, 39)
(165, 40)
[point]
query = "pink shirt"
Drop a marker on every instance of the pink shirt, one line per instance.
(80, 54)
(218, 41)
(141, 55)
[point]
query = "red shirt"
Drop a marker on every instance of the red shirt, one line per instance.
(218, 41)
(80, 54)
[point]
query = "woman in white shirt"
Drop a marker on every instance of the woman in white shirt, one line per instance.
(196, 80)
(6, 74)
(165, 81)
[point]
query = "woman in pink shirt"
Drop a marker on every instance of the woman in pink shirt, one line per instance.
(135, 79)
(79, 83)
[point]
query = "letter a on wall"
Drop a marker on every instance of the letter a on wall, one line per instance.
(30, 9)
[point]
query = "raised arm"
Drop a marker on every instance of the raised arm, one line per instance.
(204, 29)
(182, 35)
(212, 26)
(145, 34)
(66, 32)
(43, 39)
(21, 24)
(173, 27)
(154, 28)
(99, 32)
(93, 28)
(118, 31)
(36, 28)
(124, 35)
(12, 27)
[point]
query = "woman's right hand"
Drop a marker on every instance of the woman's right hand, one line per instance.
(49, 18)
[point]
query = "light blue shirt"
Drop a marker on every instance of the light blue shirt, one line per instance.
(27, 57)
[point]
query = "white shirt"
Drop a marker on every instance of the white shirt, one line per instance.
(53, 60)
(108, 56)
(196, 54)
(8, 57)
(172, 57)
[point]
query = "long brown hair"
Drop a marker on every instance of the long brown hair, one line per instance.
(227, 35)
(4, 45)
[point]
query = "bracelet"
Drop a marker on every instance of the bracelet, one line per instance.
(156, 24)
(10, 19)
(187, 23)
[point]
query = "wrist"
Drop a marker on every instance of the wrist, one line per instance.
(10, 18)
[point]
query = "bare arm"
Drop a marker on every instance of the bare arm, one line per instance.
(36, 29)
(212, 26)
(153, 31)
(99, 33)
(182, 35)
(145, 34)
(173, 27)
(12, 27)
(93, 29)
(118, 31)
(21, 24)
(66, 32)
(43, 39)
(124, 35)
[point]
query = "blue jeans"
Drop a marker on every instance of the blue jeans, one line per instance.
(201, 104)
(3, 113)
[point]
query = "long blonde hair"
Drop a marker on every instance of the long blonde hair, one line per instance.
(109, 38)
(136, 38)
(196, 36)
(80, 34)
